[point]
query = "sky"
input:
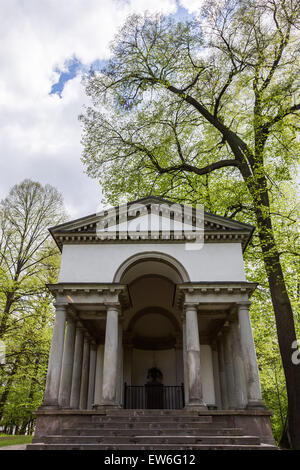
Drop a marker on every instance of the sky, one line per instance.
(45, 48)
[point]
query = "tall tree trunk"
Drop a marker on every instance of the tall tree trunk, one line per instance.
(283, 315)
(6, 311)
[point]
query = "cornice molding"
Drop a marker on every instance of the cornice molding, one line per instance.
(147, 237)
(104, 291)
(200, 292)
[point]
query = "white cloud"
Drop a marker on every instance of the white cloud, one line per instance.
(192, 6)
(40, 133)
(43, 143)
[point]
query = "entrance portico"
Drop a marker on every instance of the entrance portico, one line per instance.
(103, 339)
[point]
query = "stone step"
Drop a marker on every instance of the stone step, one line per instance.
(112, 431)
(150, 412)
(154, 440)
(148, 447)
(149, 425)
(160, 418)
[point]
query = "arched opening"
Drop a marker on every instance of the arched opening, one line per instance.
(152, 331)
(151, 262)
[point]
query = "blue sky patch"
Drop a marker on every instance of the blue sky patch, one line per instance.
(74, 66)
(181, 14)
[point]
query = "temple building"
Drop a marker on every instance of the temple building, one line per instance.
(152, 344)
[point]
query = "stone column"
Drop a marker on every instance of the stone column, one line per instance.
(85, 374)
(238, 367)
(67, 365)
(99, 375)
(128, 363)
(178, 356)
(193, 358)
(216, 373)
(92, 372)
(249, 357)
(110, 365)
(77, 367)
(120, 365)
(223, 383)
(185, 370)
(228, 359)
(55, 357)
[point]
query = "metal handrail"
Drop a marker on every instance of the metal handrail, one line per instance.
(158, 396)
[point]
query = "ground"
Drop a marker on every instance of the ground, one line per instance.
(8, 442)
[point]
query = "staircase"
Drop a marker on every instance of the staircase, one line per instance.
(150, 430)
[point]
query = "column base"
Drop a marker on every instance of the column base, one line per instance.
(255, 404)
(67, 407)
(110, 406)
(236, 408)
(195, 406)
(49, 404)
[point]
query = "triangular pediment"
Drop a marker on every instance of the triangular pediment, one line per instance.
(151, 218)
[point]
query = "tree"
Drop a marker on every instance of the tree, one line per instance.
(23, 375)
(178, 102)
(25, 250)
(28, 260)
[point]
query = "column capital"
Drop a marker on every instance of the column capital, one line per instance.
(60, 305)
(79, 326)
(244, 304)
(86, 336)
(190, 306)
(113, 306)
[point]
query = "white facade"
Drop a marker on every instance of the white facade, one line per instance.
(99, 263)
(132, 304)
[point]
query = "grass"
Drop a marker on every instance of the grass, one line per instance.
(9, 440)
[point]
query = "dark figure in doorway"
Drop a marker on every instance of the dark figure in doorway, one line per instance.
(154, 389)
